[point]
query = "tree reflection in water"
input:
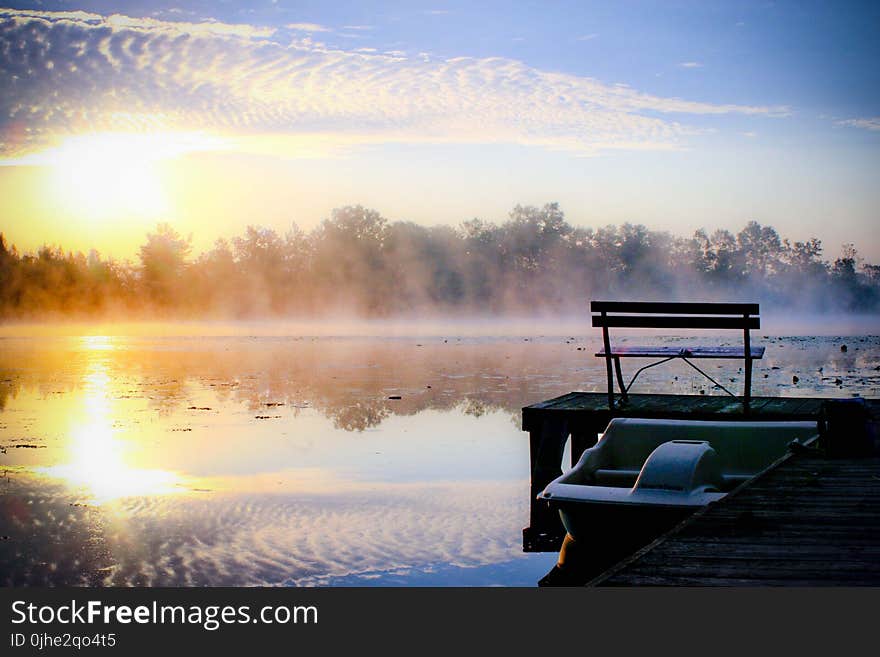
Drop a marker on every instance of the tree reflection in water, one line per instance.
(267, 460)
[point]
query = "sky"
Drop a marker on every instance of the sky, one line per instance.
(211, 116)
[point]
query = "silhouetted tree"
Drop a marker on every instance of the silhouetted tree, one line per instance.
(163, 263)
(356, 262)
(348, 260)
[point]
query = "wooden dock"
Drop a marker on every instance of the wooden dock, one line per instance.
(583, 415)
(810, 521)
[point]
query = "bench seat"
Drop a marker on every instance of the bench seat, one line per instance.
(683, 352)
(675, 315)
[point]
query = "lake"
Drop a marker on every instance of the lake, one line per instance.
(206, 455)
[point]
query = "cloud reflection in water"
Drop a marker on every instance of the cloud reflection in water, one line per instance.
(282, 460)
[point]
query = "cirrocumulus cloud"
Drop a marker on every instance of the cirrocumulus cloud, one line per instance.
(65, 73)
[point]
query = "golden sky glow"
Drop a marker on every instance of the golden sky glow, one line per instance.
(110, 124)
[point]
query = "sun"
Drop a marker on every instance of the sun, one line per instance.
(117, 176)
(109, 176)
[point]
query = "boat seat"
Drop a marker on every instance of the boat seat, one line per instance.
(609, 477)
(744, 448)
(627, 478)
(683, 466)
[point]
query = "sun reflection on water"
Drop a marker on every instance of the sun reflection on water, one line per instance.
(99, 462)
(241, 461)
(98, 342)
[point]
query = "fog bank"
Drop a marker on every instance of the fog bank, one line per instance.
(357, 264)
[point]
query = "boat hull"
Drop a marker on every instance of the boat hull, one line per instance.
(619, 524)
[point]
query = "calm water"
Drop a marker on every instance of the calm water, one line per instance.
(264, 460)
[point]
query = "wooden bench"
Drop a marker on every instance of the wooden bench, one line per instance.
(641, 314)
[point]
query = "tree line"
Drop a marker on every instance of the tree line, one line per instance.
(357, 263)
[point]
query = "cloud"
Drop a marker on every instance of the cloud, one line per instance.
(872, 123)
(691, 65)
(66, 73)
(587, 37)
(307, 27)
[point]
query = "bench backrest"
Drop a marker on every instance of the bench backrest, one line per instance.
(650, 314)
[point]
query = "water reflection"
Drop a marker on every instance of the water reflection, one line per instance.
(350, 380)
(98, 342)
(439, 534)
(97, 462)
(248, 460)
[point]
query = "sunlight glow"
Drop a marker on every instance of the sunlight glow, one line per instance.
(116, 175)
(99, 466)
(99, 462)
(98, 342)
(107, 175)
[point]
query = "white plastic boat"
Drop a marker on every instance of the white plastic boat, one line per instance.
(645, 475)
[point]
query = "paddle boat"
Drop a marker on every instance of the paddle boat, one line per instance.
(643, 476)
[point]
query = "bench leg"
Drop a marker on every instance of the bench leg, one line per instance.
(606, 342)
(748, 385)
(620, 379)
(610, 384)
(747, 352)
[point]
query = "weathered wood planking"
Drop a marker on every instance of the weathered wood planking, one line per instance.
(810, 521)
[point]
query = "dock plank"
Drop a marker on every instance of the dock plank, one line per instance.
(811, 521)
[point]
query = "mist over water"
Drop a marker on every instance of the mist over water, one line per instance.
(220, 456)
(357, 265)
(774, 321)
